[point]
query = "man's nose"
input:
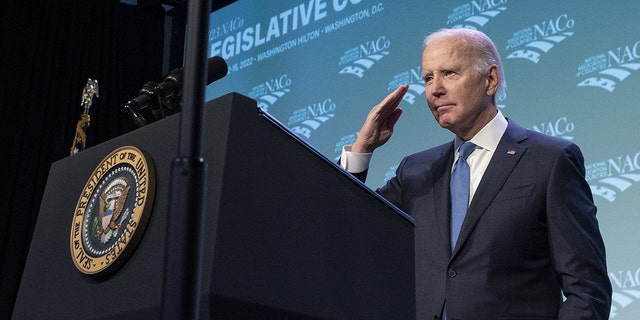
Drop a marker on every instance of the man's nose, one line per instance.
(437, 87)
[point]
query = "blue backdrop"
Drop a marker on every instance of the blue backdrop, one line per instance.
(571, 68)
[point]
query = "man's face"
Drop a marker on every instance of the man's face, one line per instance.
(460, 98)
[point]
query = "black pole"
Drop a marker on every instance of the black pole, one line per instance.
(183, 247)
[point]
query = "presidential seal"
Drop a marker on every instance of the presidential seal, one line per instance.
(112, 212)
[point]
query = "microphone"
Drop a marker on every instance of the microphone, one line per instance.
(216, 69)
(170, 88)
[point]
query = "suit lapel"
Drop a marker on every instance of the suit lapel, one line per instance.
(441, 181)
(504, 160)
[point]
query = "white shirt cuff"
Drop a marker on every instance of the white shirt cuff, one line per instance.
(354, 162)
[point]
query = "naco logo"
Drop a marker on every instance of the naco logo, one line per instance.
(540, 38)
(361, 58)
(561, 128)
(310, 118)
(612, 67)
(608, 178)
(626, 290)
(268, 93)
(475, 14)
(413, 77)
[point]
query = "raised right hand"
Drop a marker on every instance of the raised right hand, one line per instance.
(378, 127)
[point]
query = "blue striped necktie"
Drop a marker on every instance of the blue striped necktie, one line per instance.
(460, 190)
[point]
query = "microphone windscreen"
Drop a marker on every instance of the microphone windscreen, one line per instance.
(216, 69)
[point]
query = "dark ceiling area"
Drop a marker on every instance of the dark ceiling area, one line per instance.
(215, 4)
(176, 16)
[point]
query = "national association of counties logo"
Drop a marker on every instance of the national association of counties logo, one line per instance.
(475, 14)
(305, 121)
(606, 70)
(540, 38)
(112, 211)
(269, 92)
(609, 178)
(413, 77)
(626, 292)
(356, 61)
(561, 128)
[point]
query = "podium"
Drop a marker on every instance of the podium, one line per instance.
(288, 234)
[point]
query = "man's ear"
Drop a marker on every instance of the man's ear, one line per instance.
(493, 78)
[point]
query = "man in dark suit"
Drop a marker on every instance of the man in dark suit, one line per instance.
(529, 234)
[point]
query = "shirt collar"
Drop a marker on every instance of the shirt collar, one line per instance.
(489, 136)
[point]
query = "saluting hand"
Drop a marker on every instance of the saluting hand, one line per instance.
(378, 127)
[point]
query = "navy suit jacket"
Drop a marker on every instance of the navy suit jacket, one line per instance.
(530, 234)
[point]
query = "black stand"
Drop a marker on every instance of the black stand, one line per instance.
(181, 297)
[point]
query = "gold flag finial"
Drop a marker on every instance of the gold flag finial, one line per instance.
(79, 140)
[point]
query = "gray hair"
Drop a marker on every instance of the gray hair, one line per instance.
(485, 49)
